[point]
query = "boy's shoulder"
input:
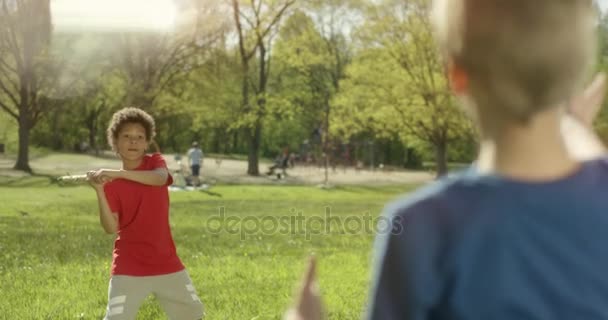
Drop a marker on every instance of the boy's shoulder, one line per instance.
(431, 197)
(603, 161)
(468, 189)
(154, 158)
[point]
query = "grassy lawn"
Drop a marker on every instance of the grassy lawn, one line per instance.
(55, 258)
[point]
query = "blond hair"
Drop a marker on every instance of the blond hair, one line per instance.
(521, 56)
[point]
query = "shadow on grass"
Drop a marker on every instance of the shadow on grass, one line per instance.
(362, 189)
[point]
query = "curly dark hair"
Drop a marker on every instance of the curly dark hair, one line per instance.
(130, 115)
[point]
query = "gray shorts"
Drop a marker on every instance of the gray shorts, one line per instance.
(174, 292)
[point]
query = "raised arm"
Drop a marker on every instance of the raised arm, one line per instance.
(156, 177)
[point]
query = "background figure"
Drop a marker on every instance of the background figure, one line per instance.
(280, 162)
(195, 161)
(218, 160)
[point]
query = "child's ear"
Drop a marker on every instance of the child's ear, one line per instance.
(459, 80)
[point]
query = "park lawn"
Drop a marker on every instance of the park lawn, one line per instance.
(55, 258)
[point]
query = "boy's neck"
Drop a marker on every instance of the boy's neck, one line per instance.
(532, 152)
(131, 164)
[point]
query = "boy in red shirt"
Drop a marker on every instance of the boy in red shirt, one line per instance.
(134, 204)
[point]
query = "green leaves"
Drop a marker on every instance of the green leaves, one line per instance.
(369, 67)
(396, 85)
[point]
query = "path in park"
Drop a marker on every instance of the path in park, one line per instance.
(229, 171)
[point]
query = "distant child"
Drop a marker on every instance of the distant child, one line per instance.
(195, 160)
(134, 204)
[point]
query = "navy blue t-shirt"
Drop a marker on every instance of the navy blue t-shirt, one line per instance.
(475, 247)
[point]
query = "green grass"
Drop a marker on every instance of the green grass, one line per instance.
(54, 257)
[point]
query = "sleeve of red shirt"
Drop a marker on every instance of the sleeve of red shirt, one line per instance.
(112, 197)
(157, 161)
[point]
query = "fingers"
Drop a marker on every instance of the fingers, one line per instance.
(98, 177)
(309, 305)
(90, 175)
(310, 277)
(104, 179)
(91, 179)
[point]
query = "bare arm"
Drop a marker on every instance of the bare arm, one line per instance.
(308, 305)
(156, 177)
(107, 218)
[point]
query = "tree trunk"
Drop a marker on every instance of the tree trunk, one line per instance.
(24, 142)
(252, 158)
(254, 149)
(441, 160)
(326, 141)
(388, 153)
(235, 142)
(218, 138)
(256, 136)
(372, 154)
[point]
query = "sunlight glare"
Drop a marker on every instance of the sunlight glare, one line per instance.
(113, 15)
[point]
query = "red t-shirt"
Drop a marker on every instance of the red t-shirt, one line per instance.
(144, 246)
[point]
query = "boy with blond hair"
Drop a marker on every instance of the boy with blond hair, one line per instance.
(134, 204)
(520, 235)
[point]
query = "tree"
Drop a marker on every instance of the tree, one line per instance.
(310, 68)
(207, 102)
(87, 91)
(149, 63)
(26, 67)
(331, 20)
(410, 95)
(154, 65)
(261, 18)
